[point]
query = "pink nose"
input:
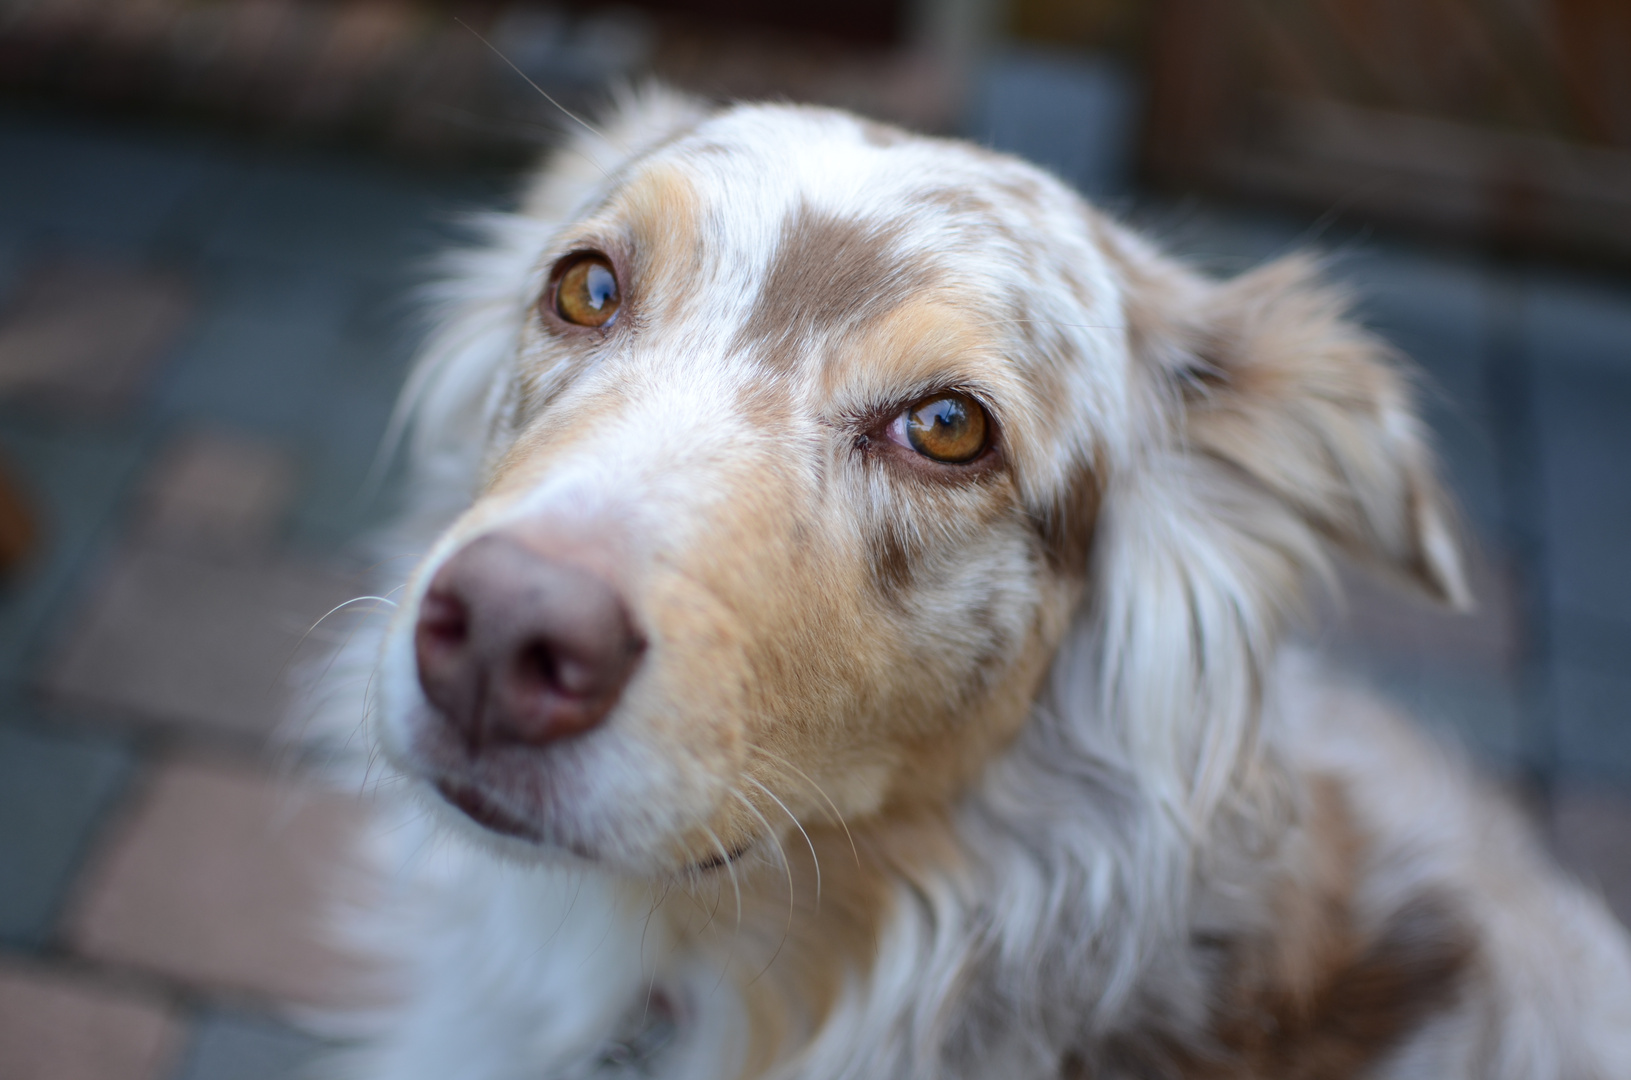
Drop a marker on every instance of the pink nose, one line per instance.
(518, 648)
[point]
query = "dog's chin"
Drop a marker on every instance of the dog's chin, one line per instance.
(516, 836)
(481, 807)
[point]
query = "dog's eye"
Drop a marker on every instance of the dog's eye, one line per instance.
(586, 292)
(948, 427)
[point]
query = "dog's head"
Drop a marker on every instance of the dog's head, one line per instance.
(811, 442)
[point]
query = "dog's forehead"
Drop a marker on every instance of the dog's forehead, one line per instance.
(804, 263)
(785, 223)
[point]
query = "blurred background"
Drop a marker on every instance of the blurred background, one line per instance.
(212, 213)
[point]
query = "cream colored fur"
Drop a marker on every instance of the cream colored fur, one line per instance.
(1026, 782)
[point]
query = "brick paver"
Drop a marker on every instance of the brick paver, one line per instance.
(221, 877)
(62, 1027)
(215, 491)
(84, 335)
(172, 637)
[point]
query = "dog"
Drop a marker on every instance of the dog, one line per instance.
(847, 638)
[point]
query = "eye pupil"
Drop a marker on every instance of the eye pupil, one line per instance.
(586, 292)
(948, 427)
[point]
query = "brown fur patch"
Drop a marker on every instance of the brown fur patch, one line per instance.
(891, 560)
(1322, 997)
(828, 274)
(1068, 523)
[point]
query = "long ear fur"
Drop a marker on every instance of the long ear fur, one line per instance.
(1273, 427)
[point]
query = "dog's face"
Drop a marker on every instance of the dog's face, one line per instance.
(818, 409)
(791, 500)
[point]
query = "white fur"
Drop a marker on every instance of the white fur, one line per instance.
(1095, 845)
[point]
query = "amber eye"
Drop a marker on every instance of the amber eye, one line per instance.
(587, 292)
(949, 427)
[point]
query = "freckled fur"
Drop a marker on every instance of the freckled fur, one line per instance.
(1074, 807)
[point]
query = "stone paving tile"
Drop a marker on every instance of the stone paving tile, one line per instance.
(60, 1027)
(84, 336)
(1592, 828)
(173, 637)
(1592, 722)
(221, 878)
(75, 486)
(55, 790)
(314, 360)
(229, 1046)
(259, 355)
(1585, 422)
(214, 490)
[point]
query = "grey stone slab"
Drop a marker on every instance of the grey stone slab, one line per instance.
(13, 263)
(55, 790)
(1593, 723)
(1584, 419)
(213, 490)
(336, 503)
(235, 1047)
(85, 335)
(258, 356)
(171, 637)
(75, 483)
(312, 359)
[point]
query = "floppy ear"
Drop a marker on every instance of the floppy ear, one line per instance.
(1267, 426)
(1320, 415)
(1268, 375)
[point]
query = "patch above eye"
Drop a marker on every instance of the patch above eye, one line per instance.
(949, 427)
(586, 290)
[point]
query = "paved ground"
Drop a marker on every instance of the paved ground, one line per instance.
(199, 342)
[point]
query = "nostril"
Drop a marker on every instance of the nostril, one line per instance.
(543, 665)
(536, 666)
(444, 621)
